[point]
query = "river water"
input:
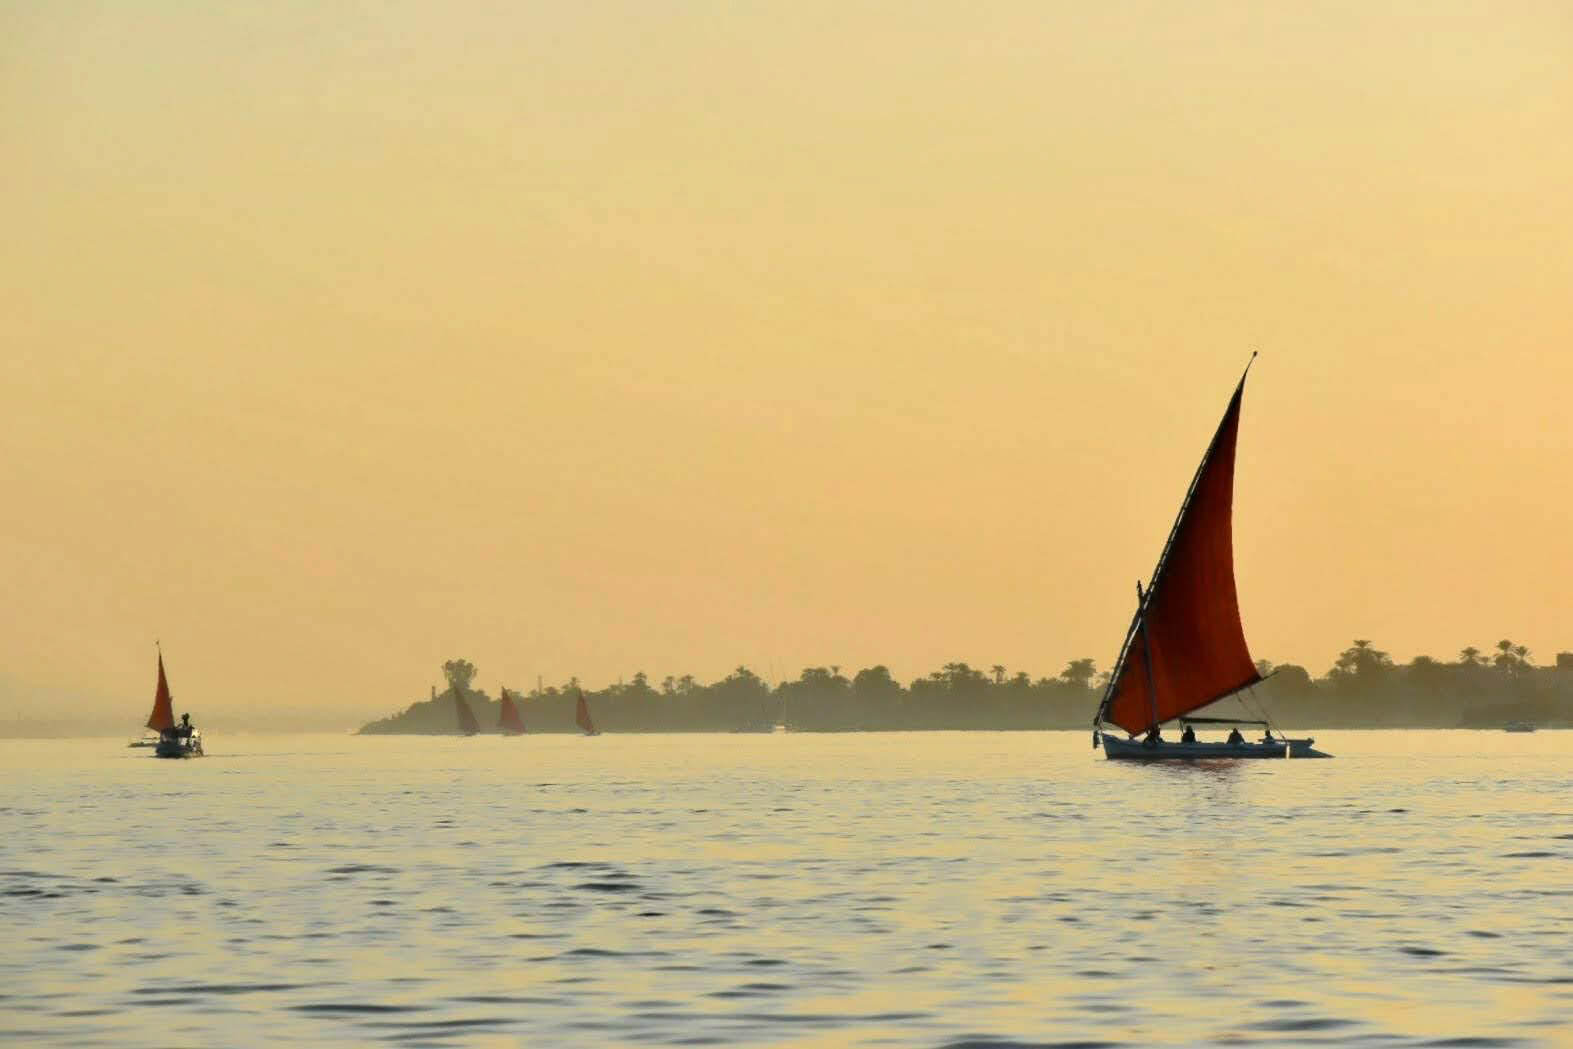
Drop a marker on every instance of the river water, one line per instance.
(905, 889)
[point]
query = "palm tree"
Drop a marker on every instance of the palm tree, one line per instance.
(999, 674)
(1078, 672)
(1360, 659)
(1470, 657)
(459, 672)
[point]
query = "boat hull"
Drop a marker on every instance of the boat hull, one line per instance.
(178, 748)
(1135, 750)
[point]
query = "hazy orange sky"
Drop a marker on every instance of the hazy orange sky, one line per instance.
(340, 340)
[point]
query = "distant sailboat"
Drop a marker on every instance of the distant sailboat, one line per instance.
(509, 720)
(1185, 647)
(468, 726)
(581, 716)
(174, 741)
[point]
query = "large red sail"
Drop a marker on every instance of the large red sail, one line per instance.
(509, 720)
(467, 723)
(1187, 647)
(581, 715)
(163, 717)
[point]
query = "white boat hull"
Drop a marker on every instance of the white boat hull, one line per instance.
(1136, 750)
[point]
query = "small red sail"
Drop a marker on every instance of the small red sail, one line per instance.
(581, 715)
(1187, 647)
(509, 720)
(467, 723)
(163, 717)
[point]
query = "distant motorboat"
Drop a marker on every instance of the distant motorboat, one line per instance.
(1185, 647)
(174, 741)
(581, 716)
(1518, 726)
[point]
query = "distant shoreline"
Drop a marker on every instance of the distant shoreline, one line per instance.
(1364, 689)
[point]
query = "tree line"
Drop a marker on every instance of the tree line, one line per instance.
(1364, 688)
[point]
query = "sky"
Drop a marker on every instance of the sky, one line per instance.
(581, 339)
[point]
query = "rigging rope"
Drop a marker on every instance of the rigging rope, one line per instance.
(1250, 691)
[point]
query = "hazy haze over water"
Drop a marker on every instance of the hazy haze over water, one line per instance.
(866, 889)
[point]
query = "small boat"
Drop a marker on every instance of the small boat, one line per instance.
(508, 718)
(1185, 647)
(174, 741)
(581, 716)
(468, 726)
(1518, 726)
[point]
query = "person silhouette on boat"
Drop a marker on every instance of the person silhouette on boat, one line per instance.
(1189, 735)
(1154, 737)
(1267, 736)
(1235, 737)
(184, 731)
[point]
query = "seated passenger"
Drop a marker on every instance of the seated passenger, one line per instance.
(1153, 738)
(1189, 735)
(1234, 735)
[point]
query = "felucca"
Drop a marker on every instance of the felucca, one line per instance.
(174, 741)
(508, 717)
(468, 726)
(581, 716)
(1185, 647)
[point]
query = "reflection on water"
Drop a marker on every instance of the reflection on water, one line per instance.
(959, 890)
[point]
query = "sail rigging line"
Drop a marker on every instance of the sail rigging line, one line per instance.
(1191, 719)
(1250, 693)
(1228, 425)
